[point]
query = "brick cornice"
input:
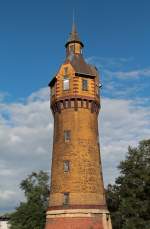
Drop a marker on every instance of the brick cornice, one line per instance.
(77, 207)
(57, 105)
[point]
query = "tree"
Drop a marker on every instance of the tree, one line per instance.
(31, 214)
(129, 198)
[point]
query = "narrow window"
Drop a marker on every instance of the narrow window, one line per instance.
(66, 83)
(66, 198)
(66, 166)
(97, 89)
(67, 103)
(84, 84)
(65, 70)
(52, 90)
(67, 135)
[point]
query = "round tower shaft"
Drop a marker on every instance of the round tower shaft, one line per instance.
(77, 196)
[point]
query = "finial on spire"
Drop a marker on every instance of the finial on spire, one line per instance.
(73, 16)
(74, 30)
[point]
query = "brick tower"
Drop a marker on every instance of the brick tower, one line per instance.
(77, 196)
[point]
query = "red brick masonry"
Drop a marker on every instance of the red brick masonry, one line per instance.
(74, 223)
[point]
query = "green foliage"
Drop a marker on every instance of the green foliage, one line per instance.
(129, 198)
(31, 214)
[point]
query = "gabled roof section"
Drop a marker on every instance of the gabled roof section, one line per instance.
(59, 72)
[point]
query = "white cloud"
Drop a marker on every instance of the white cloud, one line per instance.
(123, 123)
(108, 62)
(120, 79)
(129, 74)
(41, 95)
(26, 139)
(6, 195)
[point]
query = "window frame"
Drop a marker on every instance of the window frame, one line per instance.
(66, 166)
(67, 135)
(53, 90)
(66, 83)
(84, 87)
(66, 198)
(72, 48)
(65, 71)
(97, 89)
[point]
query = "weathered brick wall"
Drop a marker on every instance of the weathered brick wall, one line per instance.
(84, 181)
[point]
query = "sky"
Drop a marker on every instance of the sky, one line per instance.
(33, 33)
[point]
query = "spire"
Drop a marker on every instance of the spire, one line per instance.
(74, 37)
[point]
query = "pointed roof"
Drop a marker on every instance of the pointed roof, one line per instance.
(74, 37)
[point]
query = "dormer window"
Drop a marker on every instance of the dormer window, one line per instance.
(66, 83)
(84, 84)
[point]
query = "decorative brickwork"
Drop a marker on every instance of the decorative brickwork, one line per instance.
(77, 102)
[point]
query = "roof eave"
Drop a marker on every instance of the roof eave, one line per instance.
(74, 41)
(51, 83)
(82, 74)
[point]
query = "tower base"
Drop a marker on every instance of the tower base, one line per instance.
(78, 219)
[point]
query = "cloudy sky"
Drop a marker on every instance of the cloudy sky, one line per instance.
(32, 36)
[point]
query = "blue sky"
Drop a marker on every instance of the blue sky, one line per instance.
(33, 34)
(116, 36)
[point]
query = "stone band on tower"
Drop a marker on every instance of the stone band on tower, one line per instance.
(77, 196)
